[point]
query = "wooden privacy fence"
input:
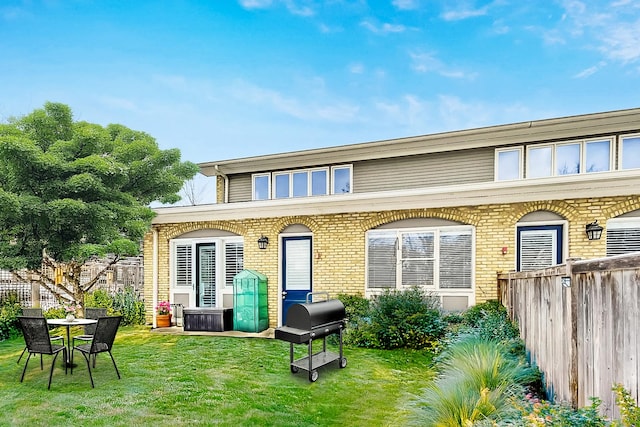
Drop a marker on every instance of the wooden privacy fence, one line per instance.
(580, 322)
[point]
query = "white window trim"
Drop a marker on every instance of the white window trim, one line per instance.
(332, 180)
(253, 185)
(329, 180)
(221, 287)
(496, 169)
(621, 148)
(583, 154)
(436, 288)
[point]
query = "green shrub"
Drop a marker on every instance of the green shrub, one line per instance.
(125, 303)
(535, 412)
(10, 309)
(409, 318)
(99, 299)
(395, 319)
(629, 411)
(131, 308)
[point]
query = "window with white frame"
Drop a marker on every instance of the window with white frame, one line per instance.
(630, 152)
(508, 164)
(341, 178)
(623, 236)
(302, 183)
(261, 186)
(569, 158)
(434, 258)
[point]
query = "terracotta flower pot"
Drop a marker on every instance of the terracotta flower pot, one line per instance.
(163, 320)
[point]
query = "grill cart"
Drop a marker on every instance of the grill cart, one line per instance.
(311, 321)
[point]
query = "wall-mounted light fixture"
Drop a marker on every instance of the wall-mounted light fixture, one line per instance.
(594, 231)
(263, 241)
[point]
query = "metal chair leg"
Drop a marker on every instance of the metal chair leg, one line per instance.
(25, 367)
(21, 354)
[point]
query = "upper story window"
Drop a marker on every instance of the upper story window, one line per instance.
(261, 187)
(630, 152)
(569, 158)
(302, 183)
(563, 158)
(508, 164)
(341, 177)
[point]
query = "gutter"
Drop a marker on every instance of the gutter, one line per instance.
(226, 183)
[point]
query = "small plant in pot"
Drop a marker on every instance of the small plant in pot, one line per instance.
(70, 310)
(163, 314)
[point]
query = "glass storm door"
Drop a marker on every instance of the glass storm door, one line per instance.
(296, 267)
(206, 275)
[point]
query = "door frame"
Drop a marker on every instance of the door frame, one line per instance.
(194, 242)
(563, 237)
(281, 261)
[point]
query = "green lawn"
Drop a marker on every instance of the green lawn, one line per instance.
(177, 380)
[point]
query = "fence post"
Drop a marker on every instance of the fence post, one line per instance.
(35, 294)
(573, 363)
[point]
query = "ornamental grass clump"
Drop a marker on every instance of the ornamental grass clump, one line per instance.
(479, 379)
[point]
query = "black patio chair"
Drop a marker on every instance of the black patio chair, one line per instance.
(90, 313)
(102, 342)
(37, 312)
(36, 336)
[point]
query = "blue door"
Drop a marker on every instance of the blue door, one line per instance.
(296, 268)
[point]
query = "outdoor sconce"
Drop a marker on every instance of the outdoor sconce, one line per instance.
(263, 241)
(594, 231)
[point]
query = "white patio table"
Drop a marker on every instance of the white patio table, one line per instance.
(68, 324)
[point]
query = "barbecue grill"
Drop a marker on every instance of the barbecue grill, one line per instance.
(311, 321)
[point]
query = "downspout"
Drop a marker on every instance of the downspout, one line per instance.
(226, 183)
(154, 273)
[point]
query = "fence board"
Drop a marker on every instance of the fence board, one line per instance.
(583, 337)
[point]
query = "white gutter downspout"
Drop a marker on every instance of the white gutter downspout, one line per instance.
(226, 183)
(154, 273)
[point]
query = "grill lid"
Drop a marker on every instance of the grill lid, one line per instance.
(311, 315)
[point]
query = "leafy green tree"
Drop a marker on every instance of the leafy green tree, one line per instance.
(73, 191)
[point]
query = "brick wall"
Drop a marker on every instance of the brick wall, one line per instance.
(339, 242)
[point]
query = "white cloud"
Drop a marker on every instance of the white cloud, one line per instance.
(384, 28)
(622, 43)
(428, 63)
(356, 68)
(406, 4)
(255, 4)
(334, 110)
(464, 13)
(590, 71)
(614, 29)
(296, 7)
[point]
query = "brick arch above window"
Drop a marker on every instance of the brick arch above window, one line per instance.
(629, 207)
(453, 215)
(565, 210)
(177, 230)
(283, 223)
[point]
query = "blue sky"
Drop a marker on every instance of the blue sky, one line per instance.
(224, 79)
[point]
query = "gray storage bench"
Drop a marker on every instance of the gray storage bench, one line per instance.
(208, 319)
